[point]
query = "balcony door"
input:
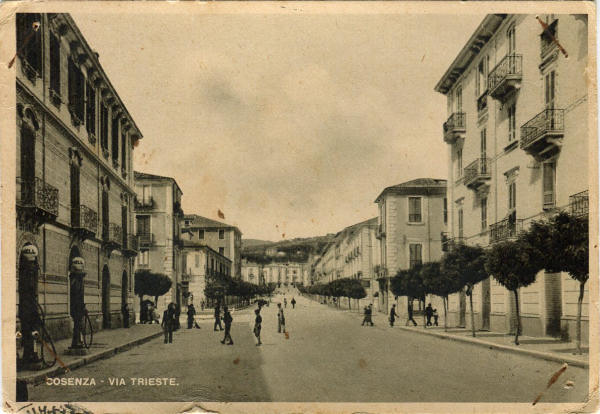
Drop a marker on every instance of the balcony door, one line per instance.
(104, 213)
(483, 151)
(75, 195)
(27, 161)
(124, 223)
(550, 89)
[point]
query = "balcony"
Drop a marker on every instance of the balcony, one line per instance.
(455, 127)
(144, 204)
(130, 245)
(477, 173)
(380, 232)
(506, 229)
(145, 240)
(113, 236)
(579, 204)
(37, 202)
(482, 104)
(505, 77)
(84, 221)
(540, 136)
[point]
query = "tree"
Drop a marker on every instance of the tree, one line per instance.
(409, 282)
(514, 264)
(440, 282)
(561, 245)
(466, 264)
(151, 284)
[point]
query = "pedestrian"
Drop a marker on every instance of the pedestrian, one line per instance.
(285, 302)
(365, 316)
(370, 314)
(168, 322)
(280, 319)
(393, 315)
(410, 313)
(202, 306)
(227, 319)
(428, 313)
(125, 312)
(435, 317)
(293, 302)
(218, 318)
(257, 326)
(191, 312)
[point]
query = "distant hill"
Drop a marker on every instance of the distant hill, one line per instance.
(298, 249)
(255, 242)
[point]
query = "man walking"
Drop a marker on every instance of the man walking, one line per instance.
(191, 312)
(227, 319)
(428, 314)
(168, 323)
(280, 319)
(293, 302)
(285, 302)
(366, 316)
(218, 318)
(410, 313)
(370, 314)
(393, 315)
(257, 326)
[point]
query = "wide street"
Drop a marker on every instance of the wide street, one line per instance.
(328, 357)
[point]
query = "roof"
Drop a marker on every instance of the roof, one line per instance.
(138, 175)
(206, 223)
(476, 42)
(190, 244)
(419, 186)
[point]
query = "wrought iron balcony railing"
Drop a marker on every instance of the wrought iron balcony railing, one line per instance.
(477, 172)
(535, 133)
(130, 245)
(579, 203)
(146, 203)
(113, 234)
(39, 197)
(84, 219)
(505, 229)
(145, 239)
(455, 127)
(506, 76)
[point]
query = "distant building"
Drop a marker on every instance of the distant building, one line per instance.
(157, 215)
(200, 262)
(221, 237)
(74, 186)
(518, 139)
(282, 273)
(411, 226)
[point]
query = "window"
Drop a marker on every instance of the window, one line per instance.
(481, 78)
(90, 111)
(123, 149)
(549, 178)
(550, 89)
(115, 139)
(483, 213)
(54, 65)
(460, 223)
(483, 146)
(510, 37)
(459, 163)
(143, 225)
(221, 250)
(197, 257)
(146, 194)
(445, 210)
(415, 254)
(76, 219)
(29, 44)
(221, 234)
(512, 196)
(459, 98)
(414, 209)
(512, 123)
(105, 212)
(201, 234)
(76, 93)
(104, 126)
(143, 257)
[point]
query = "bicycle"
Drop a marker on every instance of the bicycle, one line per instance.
(87, 331)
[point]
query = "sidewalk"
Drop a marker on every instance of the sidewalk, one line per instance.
(106, 343)
(548, 348)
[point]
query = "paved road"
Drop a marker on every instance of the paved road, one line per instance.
(328, 357)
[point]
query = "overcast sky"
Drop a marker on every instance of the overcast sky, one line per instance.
(289, 124)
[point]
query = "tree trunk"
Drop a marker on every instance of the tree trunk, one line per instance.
(424, 316)
(445, 315)
(349, 307)
(518, 330)
(578, 325)
(472, 313)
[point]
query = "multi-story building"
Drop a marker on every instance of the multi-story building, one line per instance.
(222, 237)
(74, 192)
(411, 226)
(199, 263)
(283, 273)
(353, 254)
(157, 218)
(517, 132)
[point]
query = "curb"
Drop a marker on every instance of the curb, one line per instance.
(491, 345)
(80, 362)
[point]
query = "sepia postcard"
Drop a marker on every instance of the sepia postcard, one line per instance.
(290, 207)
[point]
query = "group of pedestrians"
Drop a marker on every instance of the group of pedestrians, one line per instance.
(430, 313)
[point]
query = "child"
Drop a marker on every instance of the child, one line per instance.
(435, 317)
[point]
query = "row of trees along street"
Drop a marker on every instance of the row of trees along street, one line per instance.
(558, 244)
(346, 287)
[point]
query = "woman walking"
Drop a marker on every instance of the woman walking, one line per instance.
(257, 326)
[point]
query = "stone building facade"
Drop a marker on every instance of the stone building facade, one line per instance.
(75, 141)
(284, 273)
(200, 262)
(157, 217)
(517, 133)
